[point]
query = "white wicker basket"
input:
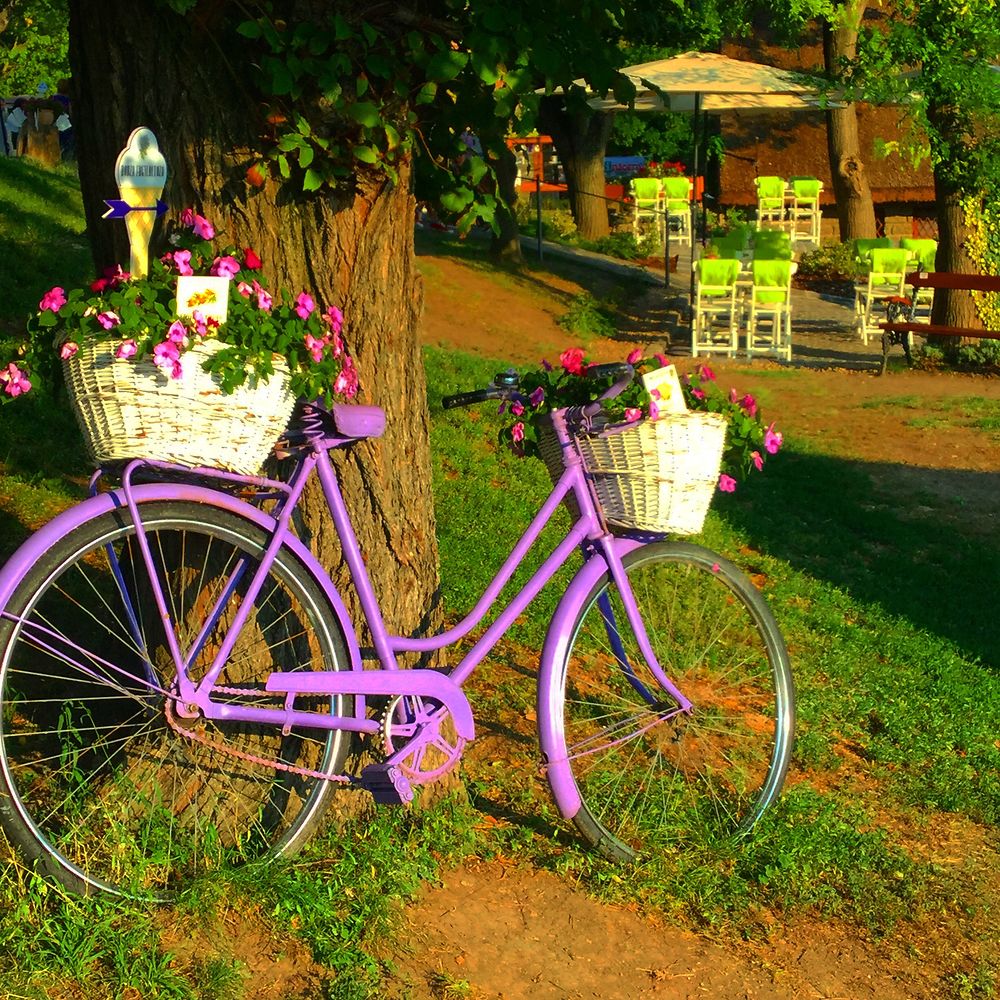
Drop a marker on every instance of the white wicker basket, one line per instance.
(657, 475)
(129, 409)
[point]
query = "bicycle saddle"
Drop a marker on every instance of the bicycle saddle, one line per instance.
(354, 421)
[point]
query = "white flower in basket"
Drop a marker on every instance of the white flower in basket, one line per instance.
(196, 363)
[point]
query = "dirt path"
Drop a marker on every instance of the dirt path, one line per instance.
(493, 931)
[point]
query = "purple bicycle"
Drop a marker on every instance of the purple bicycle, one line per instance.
(180, 682)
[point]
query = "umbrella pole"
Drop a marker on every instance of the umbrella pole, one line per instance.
(694, 206)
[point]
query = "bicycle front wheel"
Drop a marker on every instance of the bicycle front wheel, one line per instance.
(648, 776)
(102, 783)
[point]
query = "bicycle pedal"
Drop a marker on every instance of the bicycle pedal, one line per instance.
(387, 783)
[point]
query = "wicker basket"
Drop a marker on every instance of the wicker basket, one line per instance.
(657, 475)
(129, 409)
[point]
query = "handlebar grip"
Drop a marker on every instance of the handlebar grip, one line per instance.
(468, 398)
(614, 370)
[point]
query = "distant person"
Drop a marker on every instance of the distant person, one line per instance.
(13, 122)
(65, 128)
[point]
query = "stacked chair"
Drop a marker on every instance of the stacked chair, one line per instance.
(770, 201)
(804, 213)
(772, 244)
(716, 308)
(769, 323)
(677, 207)
(923, 255)
(886, 275)
(647, 204)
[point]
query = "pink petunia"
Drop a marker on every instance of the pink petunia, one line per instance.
(176, 333)
(749, 404)
(335, 318)
(634, 356)
(68, 349)
(54, 299)
(167, 356)
(99, 284)
(15, 382)
(251, 260)
(347, 381)
(758, 460)
(203, 229)
(245, 289)
(733, 396)
(654, 410)
(727, 484)
(537, 397)
(304, 305)
(315, 347)
(572, 360)
(517, 431)
(706, 373)
(698, 393)
(126, 349)
(182, 261)
(109, 320)
(772, 440)
(632, 414)
(225, 267)
(187, 217)
(264, 300)
(662, 358)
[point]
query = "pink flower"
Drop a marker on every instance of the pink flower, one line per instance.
(772, 440)
(662, 358)
(244, 289)
(572, 360)
(108, 320)
(166, 355)
(99, 284)
(115, 276)
(698, 393)
(304, 305)
(517, 431)
(315, 347)
(126, 349)
(537, 397)
(187, 217)
(182, 261)
(203, 229)
(264, 300)
(225, 267)
(634, 356)
(54, 299)
(335, 318)
(633, 413)
(749, 404)
(517, 408)
(727, 484)
(654, 409)
(733, 396)
(68, 349)
(706, 373)
(251, 260)
(15, 382)
(176, 333)
(347, 381)
(758, 461)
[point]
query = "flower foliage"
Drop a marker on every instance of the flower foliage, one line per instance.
(138, 317)
(748, 441)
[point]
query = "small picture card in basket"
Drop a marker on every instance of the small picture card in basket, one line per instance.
(665, 388)
(206, 295)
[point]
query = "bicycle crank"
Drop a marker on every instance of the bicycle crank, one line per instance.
(420, 737)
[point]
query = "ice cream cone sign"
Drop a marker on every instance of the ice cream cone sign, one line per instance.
(141, 173)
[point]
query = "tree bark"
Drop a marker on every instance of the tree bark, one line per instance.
(506, 245)
(581, 140)
(139, 64)
(952, 306)
(855, 210)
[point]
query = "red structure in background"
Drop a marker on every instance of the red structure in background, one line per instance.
(535, 150)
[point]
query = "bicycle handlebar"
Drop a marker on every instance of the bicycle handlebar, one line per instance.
(468, 398)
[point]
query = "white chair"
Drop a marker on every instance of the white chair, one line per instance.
(677, 207)
(716, 309)
(770, 201)
(885, 278)
(769, 322)
(923, 254)
(804, 213)
(647, 204)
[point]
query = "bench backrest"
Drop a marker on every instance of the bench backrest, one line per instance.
(946, 279)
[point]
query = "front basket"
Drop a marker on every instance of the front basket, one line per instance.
(128, 409)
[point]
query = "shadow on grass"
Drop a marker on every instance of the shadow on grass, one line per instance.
(885, 534)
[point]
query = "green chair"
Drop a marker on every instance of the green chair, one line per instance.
(716, 309)
(730, 245)
(923, 257)
(885, 279)
(769, 323)
(863, 247)
(804, 214)
(772, 244)
(770, 200)
(677, 207)
(647, 204)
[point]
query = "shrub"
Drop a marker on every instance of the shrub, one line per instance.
(833, 262)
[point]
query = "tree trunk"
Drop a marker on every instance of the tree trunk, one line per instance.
(139, 64)
(952, 306)
(506, 245)
(581, 140)
(855, 210)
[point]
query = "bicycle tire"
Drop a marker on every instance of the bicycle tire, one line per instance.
(97, 787)
(646, 784)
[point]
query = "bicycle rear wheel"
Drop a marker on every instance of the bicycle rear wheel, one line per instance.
(101, 783)
(648, 777)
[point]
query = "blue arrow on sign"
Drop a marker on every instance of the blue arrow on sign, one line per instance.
(118, 209)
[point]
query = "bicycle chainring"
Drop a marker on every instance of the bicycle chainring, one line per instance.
(422, 728)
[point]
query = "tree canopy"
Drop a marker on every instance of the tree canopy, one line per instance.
(34, 45)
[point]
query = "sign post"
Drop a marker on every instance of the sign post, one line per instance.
(141, 174)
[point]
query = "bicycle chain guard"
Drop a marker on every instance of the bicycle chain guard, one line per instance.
(418, 735)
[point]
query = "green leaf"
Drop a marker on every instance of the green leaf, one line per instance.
(426, 93)
(281, 78)
(363, 112)
(306, 156)
(283, 166)
(457, 199)
(249, 29)
(485, 69)
(446, 65)
(366, 154)
(313, 181)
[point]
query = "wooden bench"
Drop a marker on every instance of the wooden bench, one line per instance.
(901, 324)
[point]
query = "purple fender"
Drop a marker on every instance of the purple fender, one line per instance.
(42, 540)
(557, 639)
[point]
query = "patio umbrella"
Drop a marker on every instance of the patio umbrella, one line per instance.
(707, 82)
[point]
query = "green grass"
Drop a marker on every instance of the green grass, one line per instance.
(962, 411)
(891, 626)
